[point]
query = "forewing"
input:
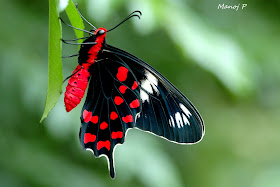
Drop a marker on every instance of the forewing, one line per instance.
(111, 107)
(165, 110)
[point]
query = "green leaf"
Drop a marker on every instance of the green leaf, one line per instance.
(55, 65)
(75, 20)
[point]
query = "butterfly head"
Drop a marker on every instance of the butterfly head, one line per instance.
(100, 32)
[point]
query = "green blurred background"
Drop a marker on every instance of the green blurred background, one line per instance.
(225, 61)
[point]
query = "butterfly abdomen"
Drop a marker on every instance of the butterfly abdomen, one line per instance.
(76, 87)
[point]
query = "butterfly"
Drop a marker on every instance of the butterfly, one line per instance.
(125, 92)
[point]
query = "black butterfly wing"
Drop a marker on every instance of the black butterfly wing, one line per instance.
(125, 92)
(165, 110)
(110, 108)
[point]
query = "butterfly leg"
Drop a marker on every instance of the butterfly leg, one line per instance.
(77, 39)
(70, 56)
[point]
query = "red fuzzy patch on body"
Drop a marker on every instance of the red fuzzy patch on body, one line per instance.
(89, 138)
(94, 119)
(103, 125)
(128, 118)
(134, 86)
(134, 104)
(122, 73)
(118, 134)
(113, 115)
(87, 116)
(118, 100)
(101, 144)
(92, 53)
(122, 89)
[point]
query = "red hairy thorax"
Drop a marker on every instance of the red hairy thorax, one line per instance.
(92, 53)
(77, 83)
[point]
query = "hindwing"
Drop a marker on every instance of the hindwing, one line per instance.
(110, 108)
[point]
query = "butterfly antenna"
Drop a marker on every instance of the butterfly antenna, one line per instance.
(133, 14)
(75, 27)
(94, 28)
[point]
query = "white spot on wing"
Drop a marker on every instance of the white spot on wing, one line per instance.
(185, 119)
(151, 78)
(178, 119)
(171, 122)
(144, 96)
(185, 110)
(145, 84)
(150, 82)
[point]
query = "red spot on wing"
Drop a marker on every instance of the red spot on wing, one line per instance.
(101, 144)
(94, 119)
(122, 89)
(128, 118)
(118, 134)
(122, 73)
(134, 104)
(134, 86)
(113, 115)
(118, 100)
(103, 125)
(87, 116)
(89, 138)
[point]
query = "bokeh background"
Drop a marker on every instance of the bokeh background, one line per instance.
(225, 61)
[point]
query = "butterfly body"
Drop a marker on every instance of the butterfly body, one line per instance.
(77, 83)
(125, 92)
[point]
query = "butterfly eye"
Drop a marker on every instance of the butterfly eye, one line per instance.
(100, 32)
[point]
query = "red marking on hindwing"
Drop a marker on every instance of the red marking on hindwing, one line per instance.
(101, 144)
(87, 116)
(122, 89)
(118, 100)
(118, 134)
(103, 125)
(134, 104)
(89, 138)
(94, 119)
(122, 73)
(128, 118)
(134, 86)
(113, 115)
